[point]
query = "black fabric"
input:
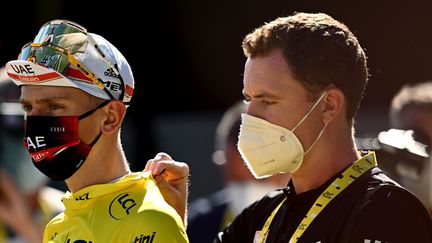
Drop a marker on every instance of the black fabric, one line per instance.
(388, 214)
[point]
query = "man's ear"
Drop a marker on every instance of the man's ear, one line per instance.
(115, 113)
(333, 104)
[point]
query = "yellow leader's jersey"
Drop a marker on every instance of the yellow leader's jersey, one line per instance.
(130, 210)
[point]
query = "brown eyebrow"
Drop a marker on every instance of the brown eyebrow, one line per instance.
(262, 94)
(45, 100)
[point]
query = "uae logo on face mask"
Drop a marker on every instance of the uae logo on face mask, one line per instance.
(36, 143)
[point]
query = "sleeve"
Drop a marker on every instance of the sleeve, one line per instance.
(164, 228)
(392, 215)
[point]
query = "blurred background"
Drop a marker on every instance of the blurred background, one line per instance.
(187, 61)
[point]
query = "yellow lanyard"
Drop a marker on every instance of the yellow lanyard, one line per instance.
(3, 234)
(337, 186)
(228, 217)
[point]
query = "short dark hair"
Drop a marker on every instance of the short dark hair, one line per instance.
(320, 52)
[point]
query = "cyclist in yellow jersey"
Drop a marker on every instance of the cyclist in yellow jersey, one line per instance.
(75, 88)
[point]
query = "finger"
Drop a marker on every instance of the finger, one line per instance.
(148, 164)
(162, 156)
(176, 197)
(161, 173)
(152, 167)
(162, 183)
(172, 170)
(166, 188)
(160, 167)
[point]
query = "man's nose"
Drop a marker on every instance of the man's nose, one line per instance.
(253, 109)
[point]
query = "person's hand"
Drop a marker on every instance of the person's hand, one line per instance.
(172, 179)
(15, 212)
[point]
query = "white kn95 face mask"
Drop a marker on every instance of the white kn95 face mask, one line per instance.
(269, 149)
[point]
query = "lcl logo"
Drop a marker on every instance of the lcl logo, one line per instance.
(121, 206)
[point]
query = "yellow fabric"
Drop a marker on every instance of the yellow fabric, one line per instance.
(3, 234)
(227, 218)
(131, 209)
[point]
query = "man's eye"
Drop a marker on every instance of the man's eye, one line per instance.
(266, 102)
(246, 100)
(54, 107)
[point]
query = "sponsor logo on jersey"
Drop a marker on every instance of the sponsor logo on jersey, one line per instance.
(83, 197)
(144, 238)
(121, 206)
(78, 241)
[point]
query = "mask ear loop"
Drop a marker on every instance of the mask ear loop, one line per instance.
(313, 144)
(316, 140)
(88, 113)
(310, 111)
(304, 118)
(96, 139)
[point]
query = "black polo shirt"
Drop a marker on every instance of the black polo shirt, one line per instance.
(373, 209)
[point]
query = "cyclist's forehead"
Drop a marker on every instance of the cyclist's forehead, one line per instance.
(36, 94)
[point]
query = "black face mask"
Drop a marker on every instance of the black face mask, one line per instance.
(54, 146)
